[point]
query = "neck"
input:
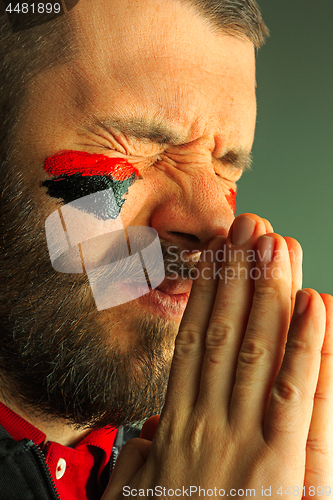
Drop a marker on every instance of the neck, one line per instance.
(56, 430)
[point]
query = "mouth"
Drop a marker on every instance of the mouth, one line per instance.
(169, 299)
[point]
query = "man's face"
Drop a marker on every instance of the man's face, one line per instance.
(150, 83)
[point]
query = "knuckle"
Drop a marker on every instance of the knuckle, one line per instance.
(285, 391)
(323, 396)
(202, 429)
(317, 445)
(219, 335)
(217, 339)
(299, 347)
(327, 355)
(187, 341)
(253, 353)
(235, 270)
(195, 436)
(266, 291)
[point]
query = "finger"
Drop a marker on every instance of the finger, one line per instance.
(230, 314)
(262, 349)
(268, 225)
(296, 259)
(131, 459)
(184, 379)
(289, 414)
(319, 449)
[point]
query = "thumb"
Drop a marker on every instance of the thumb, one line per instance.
(149, 427)
(131, 459)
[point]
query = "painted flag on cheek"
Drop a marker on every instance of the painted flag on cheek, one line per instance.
(76, 174)
(87, 234)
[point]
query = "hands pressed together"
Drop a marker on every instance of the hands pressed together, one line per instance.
(250, 396)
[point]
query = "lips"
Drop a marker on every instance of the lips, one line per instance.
(169, 299)
(175, 287)
(170, 306)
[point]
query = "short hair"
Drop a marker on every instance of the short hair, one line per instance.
(241, 18)
(27, 52)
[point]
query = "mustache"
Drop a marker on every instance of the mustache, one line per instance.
(150, 254)
(174, 260)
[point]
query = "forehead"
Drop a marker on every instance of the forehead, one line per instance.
(136, 29)
(160, 58)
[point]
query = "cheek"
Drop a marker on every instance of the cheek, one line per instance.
(231, 199)
(77, 174)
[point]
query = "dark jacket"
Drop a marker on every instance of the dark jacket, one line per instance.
(24, 473)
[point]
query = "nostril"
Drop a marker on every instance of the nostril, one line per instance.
(185, 236)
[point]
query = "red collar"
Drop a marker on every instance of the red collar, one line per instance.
(85, 462)
(19, 428)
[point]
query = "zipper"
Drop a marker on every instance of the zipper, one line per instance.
(117, 445)
(123, 435)
(45, 469)
(114, 456)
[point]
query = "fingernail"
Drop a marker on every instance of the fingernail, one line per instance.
(265, 249)
(302, 301)
(242, 230)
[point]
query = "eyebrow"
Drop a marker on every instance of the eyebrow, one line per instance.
(143, 129)
(239, 159)
(162, 134)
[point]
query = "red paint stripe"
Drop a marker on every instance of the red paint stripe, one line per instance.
(231, 199)
(72, 162)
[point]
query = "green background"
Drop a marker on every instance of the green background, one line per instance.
(291, 181)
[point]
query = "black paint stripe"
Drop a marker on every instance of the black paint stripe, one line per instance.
(69, 188)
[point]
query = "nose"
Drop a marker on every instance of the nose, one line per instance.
(194, 211)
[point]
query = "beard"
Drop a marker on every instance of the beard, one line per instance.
(60, 358)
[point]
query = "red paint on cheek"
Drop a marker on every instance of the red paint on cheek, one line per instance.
(87, 164)
(231, 199)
